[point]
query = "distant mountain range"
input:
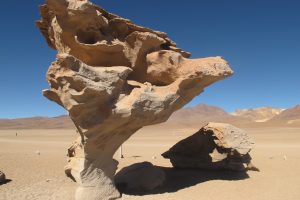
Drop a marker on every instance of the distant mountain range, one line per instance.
(258, 114)
(60, 122)
(193, 117)
(290, 116)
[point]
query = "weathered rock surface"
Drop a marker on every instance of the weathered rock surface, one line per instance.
(215, 146)
(140, 177)
(2, 177)
(114, 77)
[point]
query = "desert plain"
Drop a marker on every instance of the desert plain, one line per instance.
(34, 165)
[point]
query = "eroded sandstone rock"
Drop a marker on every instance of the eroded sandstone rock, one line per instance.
(114, 77)
(215, 146)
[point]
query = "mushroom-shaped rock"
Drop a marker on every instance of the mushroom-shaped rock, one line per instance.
(215, 146)
(114, 77)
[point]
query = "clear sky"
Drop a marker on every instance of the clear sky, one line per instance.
(260, 39)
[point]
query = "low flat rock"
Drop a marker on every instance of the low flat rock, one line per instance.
(140, 177)
(215, 146)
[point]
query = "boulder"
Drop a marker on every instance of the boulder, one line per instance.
(2, 177)
(140, 177)
(114, 77)
(216, 146)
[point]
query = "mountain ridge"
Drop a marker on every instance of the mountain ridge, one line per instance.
(192, 116)
(261, 114)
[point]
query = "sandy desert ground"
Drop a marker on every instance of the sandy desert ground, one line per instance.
(41, 177)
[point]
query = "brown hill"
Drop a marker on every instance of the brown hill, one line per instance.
(258, 114)
(59, 122)
(289, 116)
(200, 111)
(194, 117)
(202, 114)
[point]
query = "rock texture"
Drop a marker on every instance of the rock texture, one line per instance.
(215, 146)
(114, 77)
(140, 177)
(2, 177)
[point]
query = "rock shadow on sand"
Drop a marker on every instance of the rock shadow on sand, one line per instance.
(6, 181)
(178, 179)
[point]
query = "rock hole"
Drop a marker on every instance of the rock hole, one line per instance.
(165, 46)
(87, 37)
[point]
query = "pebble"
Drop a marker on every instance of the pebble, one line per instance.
(284, 157)
(2, 177)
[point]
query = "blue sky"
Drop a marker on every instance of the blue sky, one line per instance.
(260, 39)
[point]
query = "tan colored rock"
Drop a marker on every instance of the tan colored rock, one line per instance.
(2, 177)
(111, 79)
(216, 146)
(140, 177)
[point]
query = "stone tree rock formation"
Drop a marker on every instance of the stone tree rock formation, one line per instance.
(114, 77)
(215, 146)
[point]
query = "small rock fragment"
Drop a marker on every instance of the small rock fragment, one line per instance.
(284, 157)
(2, 177)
